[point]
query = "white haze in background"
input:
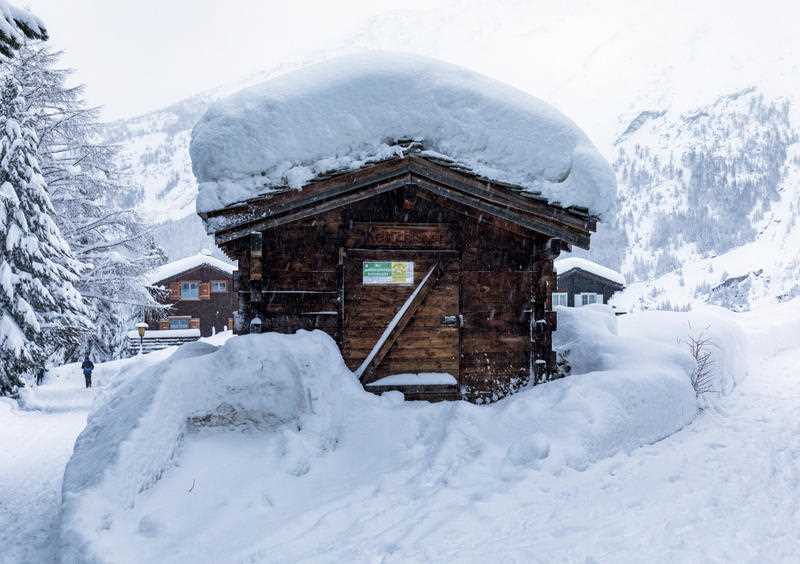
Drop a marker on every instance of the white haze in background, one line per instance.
(598, 61)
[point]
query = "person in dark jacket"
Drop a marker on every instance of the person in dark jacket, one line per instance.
(40, 374)
(87, 366)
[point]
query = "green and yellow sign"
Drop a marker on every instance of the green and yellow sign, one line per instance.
(388, 272)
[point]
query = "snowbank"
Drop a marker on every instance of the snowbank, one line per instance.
(64, 388)
(727, 343)
(343, 113)
(564, 265)
(240, 453)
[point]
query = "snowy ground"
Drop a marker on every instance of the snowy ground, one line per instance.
(34, 447)
(725, 488)
(36, 441)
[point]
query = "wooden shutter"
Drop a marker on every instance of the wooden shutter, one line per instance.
(175, 291)
(163, 324)
(194, 323)
(205, 290)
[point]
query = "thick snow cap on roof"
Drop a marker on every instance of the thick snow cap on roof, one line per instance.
(343, 113)
(182, 265)
(564, 265)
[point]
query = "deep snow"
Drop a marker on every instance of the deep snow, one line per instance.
(229, 454)
(34, 447)
(352, 110)
(725, 488)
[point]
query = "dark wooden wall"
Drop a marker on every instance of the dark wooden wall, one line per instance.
(491, 279)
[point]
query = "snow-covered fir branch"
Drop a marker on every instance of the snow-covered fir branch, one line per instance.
(86, 188)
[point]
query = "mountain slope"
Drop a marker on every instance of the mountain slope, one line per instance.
(700, 174)
(700, 183)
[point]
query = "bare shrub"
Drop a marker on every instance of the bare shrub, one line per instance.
(702, 375)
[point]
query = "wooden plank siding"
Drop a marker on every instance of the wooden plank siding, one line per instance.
(496, 250)
(425, 344)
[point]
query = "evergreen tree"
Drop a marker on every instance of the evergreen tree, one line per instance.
(40, 308)
(85, 186)
(17, 25)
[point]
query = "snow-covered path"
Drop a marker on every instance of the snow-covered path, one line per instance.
(34, 448)
(725, 489)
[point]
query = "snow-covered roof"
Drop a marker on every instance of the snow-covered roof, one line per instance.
(182, 265)
(564, 265)
(350, 111)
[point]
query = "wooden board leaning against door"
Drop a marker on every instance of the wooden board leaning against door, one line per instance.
(430, 342)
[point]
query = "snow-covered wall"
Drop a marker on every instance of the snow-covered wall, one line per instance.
(349, 111)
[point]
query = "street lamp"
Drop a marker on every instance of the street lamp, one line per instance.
(141, 328)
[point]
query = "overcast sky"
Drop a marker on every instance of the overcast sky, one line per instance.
(139, 55)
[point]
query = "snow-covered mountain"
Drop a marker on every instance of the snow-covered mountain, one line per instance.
(694, 107)
(707, 201)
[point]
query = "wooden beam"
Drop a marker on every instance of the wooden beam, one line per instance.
(534, 224)
(312, 210)
(366, 371)
(314, 192)
(347, 188)
(487, 190)
(478, 216)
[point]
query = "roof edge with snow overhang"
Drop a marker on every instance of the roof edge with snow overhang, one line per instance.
(176, 267)
(565, 265)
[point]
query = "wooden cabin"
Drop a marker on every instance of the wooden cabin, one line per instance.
(582, 282)
(432, 280)
(199, 292)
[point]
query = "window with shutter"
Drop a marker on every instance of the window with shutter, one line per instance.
(190, 291)
(586, 298)
(560, 299)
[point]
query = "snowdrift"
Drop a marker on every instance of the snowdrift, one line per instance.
(65, 388)
(343, 113)
(268, 449)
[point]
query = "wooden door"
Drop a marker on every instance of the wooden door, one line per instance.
(430, 341)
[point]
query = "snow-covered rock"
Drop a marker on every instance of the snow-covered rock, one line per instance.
(343, 113)
(230, 453)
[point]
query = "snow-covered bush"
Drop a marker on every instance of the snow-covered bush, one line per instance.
(235, 453)
(728, 347)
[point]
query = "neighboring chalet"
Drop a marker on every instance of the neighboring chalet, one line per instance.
(582, 282)
(414, 266)
(200, 293)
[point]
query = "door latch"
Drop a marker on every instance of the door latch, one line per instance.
(453, 320)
